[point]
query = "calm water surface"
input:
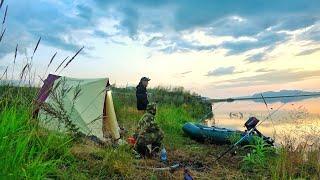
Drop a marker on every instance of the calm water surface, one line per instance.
(298, 120)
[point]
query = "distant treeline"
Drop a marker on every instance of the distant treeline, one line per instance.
(196, 105)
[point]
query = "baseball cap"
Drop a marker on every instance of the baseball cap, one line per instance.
(145, 79)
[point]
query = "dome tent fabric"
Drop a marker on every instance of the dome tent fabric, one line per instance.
(82, 104)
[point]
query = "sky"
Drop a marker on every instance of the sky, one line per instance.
(215, 48)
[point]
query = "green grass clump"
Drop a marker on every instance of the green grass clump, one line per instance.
(294, 162)
(257, 159)
(26, 150)
(171, 119)
(286, 162)
(118, 162)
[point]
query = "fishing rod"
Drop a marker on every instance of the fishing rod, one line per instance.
(248, 132)
(267, 107)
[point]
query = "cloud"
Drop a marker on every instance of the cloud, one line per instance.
(312, 33)
(264, 70)
(61, 25)
(84, 11)
(154, 41)
(295, 22)
(67, 24)
(130, 21)
(101, 34)
(222, 71)
(220, 18)
(175, 43)
(256, 57)
(272, 77)
(308, 51)
(265, 39)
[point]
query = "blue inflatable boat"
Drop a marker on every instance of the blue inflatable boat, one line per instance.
(219, 135)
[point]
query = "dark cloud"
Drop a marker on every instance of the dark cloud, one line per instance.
(272, 77)
(293, 22)
(237, 26)
(84, 11)
(308, 51)
(130, 21)
(57, 22)
(210, 10)
(265, 39)
(221, 18)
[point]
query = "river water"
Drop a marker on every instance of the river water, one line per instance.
(297, 121)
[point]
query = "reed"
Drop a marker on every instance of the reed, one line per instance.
(36, 47)
(2, 34)
(1, 3)
(61, 63)
(73, 57)
(52, 58)
(50, 62)
(4, 73)
(5, 15)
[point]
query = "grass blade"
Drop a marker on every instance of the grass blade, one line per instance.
(61, 63)
(50, 63)
(73, 57)
(23, 71)
(4, 73)
(1, 3)
(15, 55)
(2, 34)
(5, 15)
(35, 49)
(52, 59)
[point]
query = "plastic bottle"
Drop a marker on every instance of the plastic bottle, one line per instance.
(163, 155)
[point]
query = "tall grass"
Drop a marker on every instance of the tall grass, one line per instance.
(27, 150)
(290, 161)
(296, 161)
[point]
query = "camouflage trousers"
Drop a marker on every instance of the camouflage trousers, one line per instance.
(148, 144)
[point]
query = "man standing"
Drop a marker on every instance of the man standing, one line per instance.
(148, 134)
(141, 94)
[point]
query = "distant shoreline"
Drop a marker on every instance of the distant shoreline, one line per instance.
(293, 97)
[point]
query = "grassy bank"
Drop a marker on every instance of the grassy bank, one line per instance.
(31, 152)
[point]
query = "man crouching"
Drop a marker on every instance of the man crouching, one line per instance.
(148, 134)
